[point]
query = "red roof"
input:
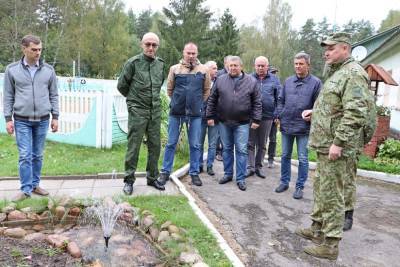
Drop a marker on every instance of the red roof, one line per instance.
(379, 74)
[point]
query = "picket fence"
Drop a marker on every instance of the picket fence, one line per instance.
(92, 113)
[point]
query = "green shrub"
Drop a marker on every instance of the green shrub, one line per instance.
(390, 149)
(383, 111)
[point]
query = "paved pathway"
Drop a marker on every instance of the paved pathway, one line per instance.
(86, 187)
(263, 222)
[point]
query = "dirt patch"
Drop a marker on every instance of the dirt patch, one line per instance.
(19, 252)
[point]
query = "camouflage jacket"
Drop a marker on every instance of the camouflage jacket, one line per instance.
(140, 82)
(344, 113)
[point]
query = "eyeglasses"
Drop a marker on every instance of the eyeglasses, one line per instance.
(154, 45)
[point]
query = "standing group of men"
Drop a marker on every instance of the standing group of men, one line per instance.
(244, 106)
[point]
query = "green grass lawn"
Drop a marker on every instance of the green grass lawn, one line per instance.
(64, 159)
(364, 162)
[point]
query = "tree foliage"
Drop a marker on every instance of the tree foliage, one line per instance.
(392, 19)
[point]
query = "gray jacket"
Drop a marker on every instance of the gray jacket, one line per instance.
(27, 98)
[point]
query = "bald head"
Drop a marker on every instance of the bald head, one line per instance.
(149, 44)
(261, 65)
(190, 53)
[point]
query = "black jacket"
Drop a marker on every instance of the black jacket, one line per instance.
(235, 102)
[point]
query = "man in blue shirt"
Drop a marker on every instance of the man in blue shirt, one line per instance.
(295, 103)
(269, 86)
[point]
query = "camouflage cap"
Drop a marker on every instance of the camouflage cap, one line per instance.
(335, 38)
(273, 69)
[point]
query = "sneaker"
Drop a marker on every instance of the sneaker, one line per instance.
(128, 188)
(298, 194)
(225, 179)
(281, 188)
(163, 179)
(40, 191)
(260, 173)
(20, 196)
(218, 157)
(210, 171)
(241, 185)
(196, 180)
(270, 164)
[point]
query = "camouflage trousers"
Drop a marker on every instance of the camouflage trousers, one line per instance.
(138, 126)
(329, 203)
(350, 184)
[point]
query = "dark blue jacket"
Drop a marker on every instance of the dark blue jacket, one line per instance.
(269, 88)
(297, 95)
(187, 98)
(235, 102)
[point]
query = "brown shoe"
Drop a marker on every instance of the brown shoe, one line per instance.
(40, 191)
(20, 196)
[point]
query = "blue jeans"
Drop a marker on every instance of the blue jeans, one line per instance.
(302, 155)
(30, 137)
(213, 134)
(234, 136)
(193, 125)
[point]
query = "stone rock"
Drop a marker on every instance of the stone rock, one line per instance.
(75, 211)
(189, 258)
(147, 222)
(154, 233)
(32, 216)
(38, 227)
(74, 250)
(60, 211)
(16, 215)
(35, 236)
(96, 264)
(200, 264)
(146, 213)
(47, 232)
(15, 232)
(66, 201)
(45, 214)
(88, 241)
(127, 207)
(28, 232)
(10, 207)
(57, 241)
(51, 204)
(27, 227)
(163, 236)
(118, 238)
(165, 225)
(173, 229)
(121, 252)
(3, 217)
(26, 209)
(2, 229)
(127, 217)
(176, 237)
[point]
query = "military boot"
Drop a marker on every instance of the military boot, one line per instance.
(327, 250)
(313, 233)
(348, 220)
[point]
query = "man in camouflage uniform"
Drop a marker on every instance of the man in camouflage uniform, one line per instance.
(343, 120)
(140, 82)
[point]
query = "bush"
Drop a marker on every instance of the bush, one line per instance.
(390, 149)
(383, 111)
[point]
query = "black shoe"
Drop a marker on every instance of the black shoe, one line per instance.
(260, 174)
(225, 179)
(128, 188)
(249, 173)
(219, 157)
(156, 184)
(164, 177)
(281, 188)
(210, 171)
(298, 194)
(242, 185)
(348, 220)
(196, 180)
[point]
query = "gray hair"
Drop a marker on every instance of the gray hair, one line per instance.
(27, 39)
(210, 63)
(236, 58)
(227, 58)
(303, 55)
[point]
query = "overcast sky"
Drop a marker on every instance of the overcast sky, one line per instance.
(248, 11)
